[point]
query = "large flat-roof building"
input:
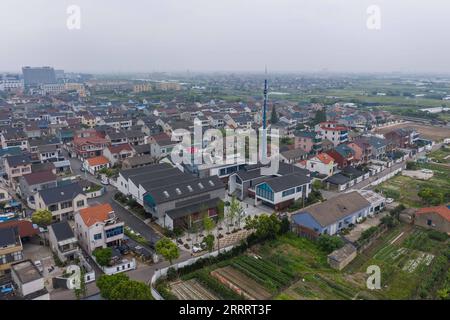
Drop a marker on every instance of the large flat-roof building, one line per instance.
(34, 76)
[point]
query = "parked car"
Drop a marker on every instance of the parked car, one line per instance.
(389, 200)
(196, 248)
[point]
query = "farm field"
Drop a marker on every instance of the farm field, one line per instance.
(405, 256)
(405, 189)
(434, 133)
(441, 155)
(293, 268)
(191, 290)
(286, 268)
(241, 283)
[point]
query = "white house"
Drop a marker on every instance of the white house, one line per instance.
(322, 164)
(97, 227)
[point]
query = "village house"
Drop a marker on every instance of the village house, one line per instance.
(118, 153)
(95, 164)
(435, 218)
(98, 227)
(61, 201)
(331, 216)
(62, 241)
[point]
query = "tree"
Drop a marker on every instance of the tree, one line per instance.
(317, 185)
(131, 290)
(120, 287)
(274, 116)
(320, 116)
(220, 212)
(167, 249)
(329, 243)
(234, 210)
(106, 283)
(388, 221)
(266, 227)
(209, 241)
(208, 223)
(42, 218)
(102, 256)
(431, 196)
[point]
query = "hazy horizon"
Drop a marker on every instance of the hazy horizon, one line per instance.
(242, 36)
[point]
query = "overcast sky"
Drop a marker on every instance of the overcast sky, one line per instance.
(226, 35)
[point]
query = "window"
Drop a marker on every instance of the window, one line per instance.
(264, 191)
(97, 236)
(114, 232)
(288, 192)
(2, 196)
(80, 203)
(429, 222)
(201, 185)
(299, 189)
(66, 205)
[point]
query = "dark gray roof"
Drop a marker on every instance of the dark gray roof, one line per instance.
(8, 236)
(294, 154)
(185, 189)
(337, 208)
(156, 175)
(352, 172)
(287, 181)
(142, 148)
(175, 178)
(338, 179)
(18, 160)
(139, 171)
(62, 230)
(61, 193)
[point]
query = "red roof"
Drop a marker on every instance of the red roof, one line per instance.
(25, 227)
(99, 213)
(39, 177)
(325, 158)
(120, 147)
(443, 211)
(96, 161)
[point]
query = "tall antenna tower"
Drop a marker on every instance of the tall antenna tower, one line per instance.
(264, 137)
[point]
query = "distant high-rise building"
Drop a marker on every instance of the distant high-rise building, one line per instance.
(33, 76)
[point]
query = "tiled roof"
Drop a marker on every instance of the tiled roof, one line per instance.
(443, 211)
(96, 161)
(99, 213)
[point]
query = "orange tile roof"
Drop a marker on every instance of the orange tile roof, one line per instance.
(99, 213)
(443, 211)
(325, 158)
(96, 161)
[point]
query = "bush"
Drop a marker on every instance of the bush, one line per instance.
(366, 234)
(329, 243)
(411, 165)
(120, 197)
(436, 235)
(388, 221)
(172, 274)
